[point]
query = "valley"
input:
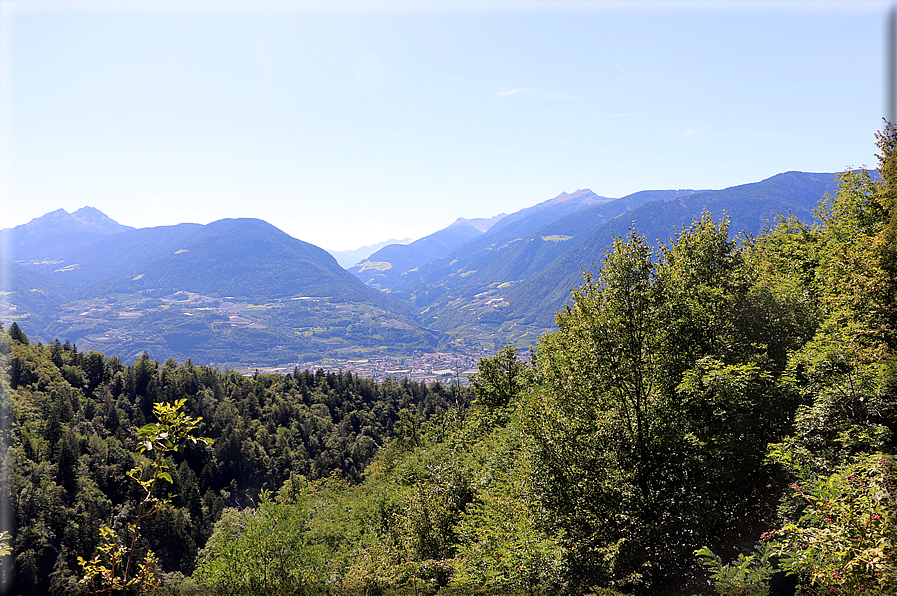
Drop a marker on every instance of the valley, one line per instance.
(304, 332)
(242, 294)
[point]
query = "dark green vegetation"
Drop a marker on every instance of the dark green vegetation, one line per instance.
(708, 416)
(73, 418)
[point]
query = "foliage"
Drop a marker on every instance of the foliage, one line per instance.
(746, 576)
(102, 573)
(74, 422)
(503, 547)
(262, 551)
(499, 379)
(105, 573)
(620, 460)
(5, 549)
(846, 537)
(659, 398)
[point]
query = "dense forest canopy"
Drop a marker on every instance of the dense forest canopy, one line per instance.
(711, 416)
(74, 418)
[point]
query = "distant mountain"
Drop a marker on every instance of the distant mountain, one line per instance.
(243, 290)
(513, 251)
(347, 258)
(111, 256)
(245, 258)
(241, 258)
(58, 231)
(484, 223)
(550, 210)
(235, 290)
(521, 271)
(750, 207)
(28, 297)
(92, 216)
(392, 267)
(393, 260)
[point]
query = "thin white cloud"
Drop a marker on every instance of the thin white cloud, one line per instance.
(690, 132)
(501, 95)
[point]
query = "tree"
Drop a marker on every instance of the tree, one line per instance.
(659, 398)
(500, 379)
(16, 334)
(846, 536)
(594, 422)
(846, 374)
(263, 551)
(110, 570)
(838, 282)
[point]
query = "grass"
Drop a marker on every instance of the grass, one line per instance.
(378, 265)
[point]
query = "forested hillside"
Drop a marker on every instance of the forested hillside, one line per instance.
(710, 416)
(72, 428)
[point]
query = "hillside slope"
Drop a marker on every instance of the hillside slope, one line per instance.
(750, 207)
(58, 232)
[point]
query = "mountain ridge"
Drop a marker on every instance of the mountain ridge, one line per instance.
(58, 231)
(483, 281)
(347, 258)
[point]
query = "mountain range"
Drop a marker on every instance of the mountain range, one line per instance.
(347, 258)
(241, 290)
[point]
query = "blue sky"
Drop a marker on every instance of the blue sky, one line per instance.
(347, 123)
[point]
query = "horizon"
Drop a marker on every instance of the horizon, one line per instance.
(347, 124)
(398, 240)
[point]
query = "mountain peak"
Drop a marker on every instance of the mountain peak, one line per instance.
(99, 220)
(482, 223)
(58, 214)
(582, 196)
(59, 231)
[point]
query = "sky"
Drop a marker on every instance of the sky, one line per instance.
(348, 123)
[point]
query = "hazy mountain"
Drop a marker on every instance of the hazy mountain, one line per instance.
(750, 207)
(58, 231)
(554, 208)
(234, 290)
(112, 256)
(391, 261)
(242, 288)
(29, 297)
(395, 267)
(511, 252)
(245, 258)
(347, 258)
(484, 223)
(95, 218)
(523, 272)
